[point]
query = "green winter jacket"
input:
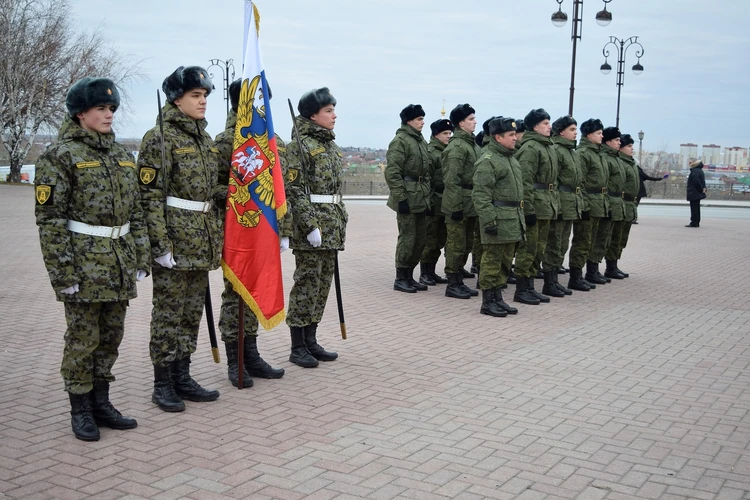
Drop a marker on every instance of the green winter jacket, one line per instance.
(459, 159)
(435, 148)
(631, 187)
(407, 170)
(595, 177)
(569, 179)
(87, 177)
(538, 161)
(615, 183)
(498, 177)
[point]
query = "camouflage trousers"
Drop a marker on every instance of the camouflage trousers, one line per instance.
(94, 333)
(435, 239)
(178, 303)
(495, 265)
(229, 318)
(531, 252)
(312, 282)
(558, 241)
(459, 242)
(477, 247)
(600, 240)
(620, 234)
(412, 231)
(583, 231)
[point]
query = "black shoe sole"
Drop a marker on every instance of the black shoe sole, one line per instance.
(408, 290)
(457, 297)
(116, 427)
(494, 315)
(169, 409)
(196, 399)
(524, 301)
(88, 439)
(265, 375)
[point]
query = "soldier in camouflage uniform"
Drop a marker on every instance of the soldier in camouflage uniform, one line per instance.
(458, 161)
(314, 189)
(538, 161)
(436, 232)
(186, 230)
(615, 183)
(407, 174)
(498, 199)
(254, 365)
(95, 247)
(621, 230)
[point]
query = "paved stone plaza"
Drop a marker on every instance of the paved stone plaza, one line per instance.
(636, 390)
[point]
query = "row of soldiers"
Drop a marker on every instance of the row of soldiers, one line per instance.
(515, 190)
(105, 223)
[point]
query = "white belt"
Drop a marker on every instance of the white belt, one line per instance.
(195, 206)
(325, 198)
(113, 232)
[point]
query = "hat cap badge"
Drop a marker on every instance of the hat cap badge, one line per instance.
(109, 91)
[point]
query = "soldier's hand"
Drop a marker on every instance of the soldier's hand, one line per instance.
(403, 207)
(457, 215)
(70, 290)
(284, 243)
(530, 220)
(585, 215)
(166, 261)
(140, 274)
(315, 238)
(491, 230)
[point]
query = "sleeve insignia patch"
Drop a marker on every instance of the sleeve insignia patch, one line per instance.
(88, 164)
(182, 151)
(317, 151)
(281, 149)
(147, 175)
(292, 175)
(126, 164)
(214, 150)
(44, 193)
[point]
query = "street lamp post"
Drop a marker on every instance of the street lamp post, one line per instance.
(559, 18)
(622, 46)
(640, 148)
(225, 67)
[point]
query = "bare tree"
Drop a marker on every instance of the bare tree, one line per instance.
(42, 56)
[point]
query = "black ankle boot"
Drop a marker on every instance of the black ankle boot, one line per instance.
(549, 287)
(500, 302)
(81, 418)
(316, 349)
(511, 278)
(402, 281)
(300, 356)
(164, 395)
(592, 274)
(530, 289)
(556, 282)
(455, 289)
(611, 270)
(424, 275)
(522, 294)
(106, 415)
(436, 277)
(624, 274)
(576, 281)
(255, 365)
(466, 274)
(489, 306)
(412, 282)
(233, 370)
(186, 387)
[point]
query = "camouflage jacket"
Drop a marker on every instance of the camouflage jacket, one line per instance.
(615, 182)
(458, 160)
(631, 186)
(88, 177)
(538, 161)
(569, 176)
(317, 170)
(192, 173)
(498, 177)
(407, 170)
(595, 177)
(435, 148)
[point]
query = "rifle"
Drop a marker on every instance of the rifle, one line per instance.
(336, 276)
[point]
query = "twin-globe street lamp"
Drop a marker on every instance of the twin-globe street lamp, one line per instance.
(559, 18)
(225, 67)
(622, 48)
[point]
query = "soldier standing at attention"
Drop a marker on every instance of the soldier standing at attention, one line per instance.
(498, 198)
(95, 247)
(436, 232)
(538, 161)
(520, 131)
(407, 174)
(615, 183)
(458, 161)
(314, 190)
(629, 194)
(185, 228)
(254, 365)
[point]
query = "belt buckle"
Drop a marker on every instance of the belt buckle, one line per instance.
(604, 190)
(551, 187)
(207, 206)
(578, 190)
(419, 179)
(115, 233)
(520, 204)
(623, 195)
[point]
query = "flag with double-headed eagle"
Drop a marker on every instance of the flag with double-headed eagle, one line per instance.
(255, 200)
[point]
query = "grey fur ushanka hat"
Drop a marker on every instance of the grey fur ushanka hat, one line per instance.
(184, 79)
(89, 92)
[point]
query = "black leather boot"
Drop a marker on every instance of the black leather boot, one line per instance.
(255, 365)
(81, 418)
(472, 291)
(576, 281)
(549, 287)
(522, 294)
(233, 369)
(424, 275)
(412, 282)
(511, 277)
(624, 274)
(435, 276)
(316, 349)
(402, 281)
(500, 302)
(556, 280)
(532, 291)
(300, 356)
(466, 274)
(106, 415)
(611, 271)
(489, 306)
(592, 274)
(186, 387)
(455, 288)
(164, 395)
(474, 265)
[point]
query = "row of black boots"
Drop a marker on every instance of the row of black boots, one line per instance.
(92, 410)
(173, 384)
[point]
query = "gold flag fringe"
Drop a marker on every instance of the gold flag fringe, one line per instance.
(269, 323)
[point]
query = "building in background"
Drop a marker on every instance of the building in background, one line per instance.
(735, 157)
(687, 151)
(711, 154)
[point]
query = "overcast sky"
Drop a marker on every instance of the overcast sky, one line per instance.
(503, 57)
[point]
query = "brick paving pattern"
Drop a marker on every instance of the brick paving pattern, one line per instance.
(636, 390)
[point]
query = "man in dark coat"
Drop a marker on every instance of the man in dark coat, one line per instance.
(696, 191)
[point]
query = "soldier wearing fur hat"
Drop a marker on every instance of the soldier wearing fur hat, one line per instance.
(441, 131)
(538, 161)
(314, 184)
(631, 185)
(186, 231)
(459, 159)
(498, 198)
(95, 246)
(407, 174)
(520, 131)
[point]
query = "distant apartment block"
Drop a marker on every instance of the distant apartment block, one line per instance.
(687, 151)
(711, 154)
(735, 156)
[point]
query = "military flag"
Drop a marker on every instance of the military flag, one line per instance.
(256, 200)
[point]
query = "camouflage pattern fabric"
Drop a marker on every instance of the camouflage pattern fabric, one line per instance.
(229, 318)
(495, 265)
(615, 252)
(583, 233)
(614, 248)
(457, 162)
(312, 282)
(178, 300)
(631, 187)
(616, 181)
(435, 149)
(595, 177)
(569, 174)
(530, 252)
(600, 240)
(538, 161)
(436, 235)
(94, 334)
(412, 233)
(407, 156)
(459, 242)
(558, 240)
(436, 232)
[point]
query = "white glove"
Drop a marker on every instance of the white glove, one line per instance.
(70, 290)
(284, 243)
(166, 261)
(140, 274)
(315, 238)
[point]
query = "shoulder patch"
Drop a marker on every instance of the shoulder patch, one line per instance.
(281, 149)
(214, 150)
(317, 151)
(292, 175)
(44, 193)
(126, 164)
(182, 151)
(88, 164)
(147, 175)
(340, 154)
(487, 156)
